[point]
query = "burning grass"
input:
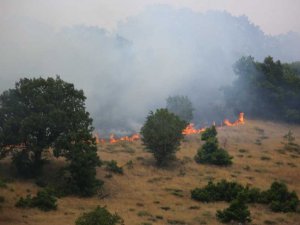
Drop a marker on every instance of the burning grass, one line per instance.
(164, 193)
(189, 130)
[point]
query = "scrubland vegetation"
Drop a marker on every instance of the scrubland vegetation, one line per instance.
(147, 194)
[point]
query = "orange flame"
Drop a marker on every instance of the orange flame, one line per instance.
(190, 129)
(240, 121)
(112, 139)
(98, 139)
(131, 138)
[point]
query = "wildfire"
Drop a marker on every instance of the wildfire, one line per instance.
(237, 122)
(113, 139)
(98, 139)
(190, 129)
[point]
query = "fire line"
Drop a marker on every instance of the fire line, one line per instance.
(190, 129)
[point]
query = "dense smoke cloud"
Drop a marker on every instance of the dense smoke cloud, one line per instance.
(158, 53)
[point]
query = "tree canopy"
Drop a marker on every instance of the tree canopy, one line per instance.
(267, 90)
(162, 133)
(39, 114)
(181, 106)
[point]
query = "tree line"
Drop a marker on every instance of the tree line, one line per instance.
(266, 90)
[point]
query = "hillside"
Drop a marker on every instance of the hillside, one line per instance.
(148, 195)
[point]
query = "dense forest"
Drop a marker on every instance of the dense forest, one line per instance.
(266, 90)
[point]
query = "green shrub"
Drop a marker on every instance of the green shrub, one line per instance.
(210, 132)
(221, 191)
(113, 167)
(210, 153)
(237, 211)
(43, 200)
(24, 202)
(252, 195)
(99, 216)
(279, 198)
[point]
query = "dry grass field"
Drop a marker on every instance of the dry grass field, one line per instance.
(146, 195)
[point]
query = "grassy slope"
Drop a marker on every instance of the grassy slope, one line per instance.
(148, 195)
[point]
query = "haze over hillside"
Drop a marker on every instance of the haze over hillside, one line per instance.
(160, 52)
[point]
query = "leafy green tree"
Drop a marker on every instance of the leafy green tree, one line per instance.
(210, 153)
(99, 216)
(39, 114)
(162, 133)
(181, 106)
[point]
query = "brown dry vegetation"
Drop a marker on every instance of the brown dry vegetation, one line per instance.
(146, 194)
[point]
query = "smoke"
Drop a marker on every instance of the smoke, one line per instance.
(156, 54)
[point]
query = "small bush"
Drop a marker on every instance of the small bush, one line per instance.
(43, 200)
(265, 158)
(143, 213)
(252, 195)
(210, 132)
(176, 192)
(176, 222)
(210, 153)
(243, 150)
(221, 191)
(279, 198)
(237, 211)
(113, 167)
(99, 216)
(225, 191)
(24, 202)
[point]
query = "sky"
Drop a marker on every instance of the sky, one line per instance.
(272, 16)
